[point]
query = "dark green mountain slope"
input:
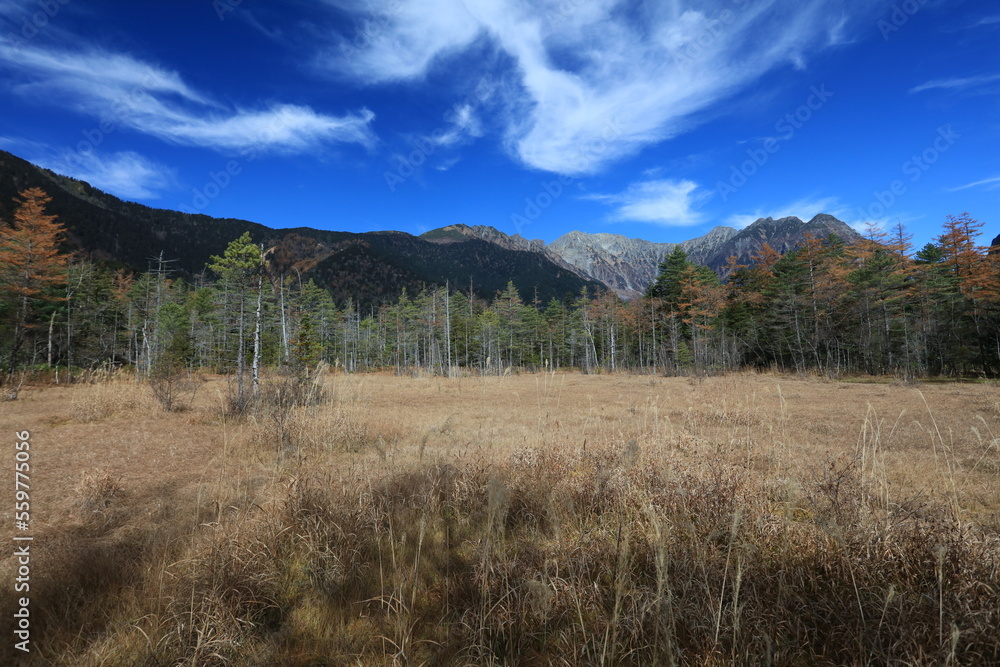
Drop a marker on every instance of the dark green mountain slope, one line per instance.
(405, 261)
(108, 228)
(368, 268)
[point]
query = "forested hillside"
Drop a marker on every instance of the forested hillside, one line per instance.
(872, 307)
(367, 268)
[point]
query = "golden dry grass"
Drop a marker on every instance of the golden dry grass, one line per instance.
(530, 519)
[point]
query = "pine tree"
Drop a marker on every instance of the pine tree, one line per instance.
(667, 285)
(306, 346)
(240, 269)
(177, 349)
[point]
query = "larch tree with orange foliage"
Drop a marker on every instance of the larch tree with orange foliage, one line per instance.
(971, 269)
(31, 264)
(702, 299)
(967, 261)
(876, 295)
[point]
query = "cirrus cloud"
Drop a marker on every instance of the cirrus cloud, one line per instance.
(127, 174)
(664, 202)
(991, 183)
(124, 91)
(958, 83)
(596, 80)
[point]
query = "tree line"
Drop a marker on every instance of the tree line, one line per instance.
(875, 307)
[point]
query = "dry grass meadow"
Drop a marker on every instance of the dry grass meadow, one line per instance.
(549, 519)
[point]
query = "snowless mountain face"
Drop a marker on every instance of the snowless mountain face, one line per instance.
(458, 233)
(625, 265)
(628, 266)
(784, 235)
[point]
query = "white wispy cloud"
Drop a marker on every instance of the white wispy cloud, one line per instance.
(247, 16)
(109, 72)
(956, 83)
(463, 124)
(804, 209)
(448, 164)
(18, 10)
(24, 146)
(125, 174)
(666, 202)
(837, 33)
(285, 127)
(990, 183)
(396, 40)
(987, 20)
(594, 83)
(8, 7)
(126, 92)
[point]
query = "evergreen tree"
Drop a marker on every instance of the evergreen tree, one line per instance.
(239, 269)
(667, 286)
(306, 346)
(175, 328)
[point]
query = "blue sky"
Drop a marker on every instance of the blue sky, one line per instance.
(656, 120)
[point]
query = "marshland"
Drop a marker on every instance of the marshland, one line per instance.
(536, 518)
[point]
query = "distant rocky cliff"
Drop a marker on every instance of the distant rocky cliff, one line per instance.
(783, 235)
(628, 266)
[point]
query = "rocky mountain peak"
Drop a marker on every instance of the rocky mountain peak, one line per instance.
(771, 223)
(823, 219)
(628, 265)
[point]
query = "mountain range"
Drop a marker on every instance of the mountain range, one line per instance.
(628, 265)
(373, 267)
